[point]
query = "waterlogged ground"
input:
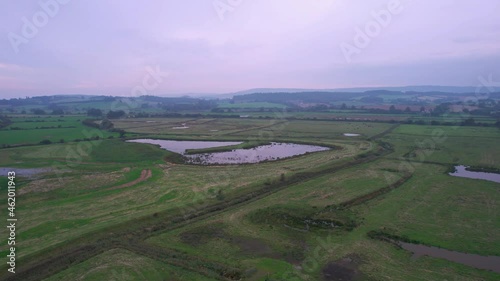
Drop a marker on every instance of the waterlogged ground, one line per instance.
(483, 262)
(24, 172)
(269, 237)
(461, 171)
(271, 152)
(181, 146)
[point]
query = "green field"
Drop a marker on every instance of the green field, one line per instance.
(99, 215)
(34, 129)
(251, 105)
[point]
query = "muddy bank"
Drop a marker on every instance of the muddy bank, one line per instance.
(480, 262)
(466, 172)
(345, 269)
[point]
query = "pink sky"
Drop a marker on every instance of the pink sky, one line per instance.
(104, 46)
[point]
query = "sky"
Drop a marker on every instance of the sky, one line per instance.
(172, 47)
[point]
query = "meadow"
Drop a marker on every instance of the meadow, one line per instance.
(35, 129)
(111, 210)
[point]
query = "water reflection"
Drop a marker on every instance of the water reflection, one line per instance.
(461, 171)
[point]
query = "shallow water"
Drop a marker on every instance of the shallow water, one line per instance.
(461, 171)
(481, 262)
(271, 152)
(181, 146)
(23, 172)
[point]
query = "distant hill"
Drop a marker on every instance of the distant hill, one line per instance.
(423, 88)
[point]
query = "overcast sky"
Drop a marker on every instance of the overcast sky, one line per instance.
(206, 46)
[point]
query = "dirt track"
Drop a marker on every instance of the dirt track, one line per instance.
(145, 174)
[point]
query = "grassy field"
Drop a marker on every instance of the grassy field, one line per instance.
(124, 265)
(34, 129)
(251, 105)
(301, 218)
(250, 128)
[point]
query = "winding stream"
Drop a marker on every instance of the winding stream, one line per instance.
(461, 171)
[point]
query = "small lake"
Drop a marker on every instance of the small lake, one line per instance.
(181, 146)
(23, 172)
(461, 171)
(481, 262)
(270, 152)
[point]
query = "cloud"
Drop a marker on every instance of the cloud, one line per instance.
(103, 47)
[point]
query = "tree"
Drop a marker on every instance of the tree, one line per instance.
(469, 122)
(38, 111)
(106, 125)
(115, 114)
(407, 109)
(441, 109)
(343, 106)
(94, 112)
(220, 195)
(58, 112)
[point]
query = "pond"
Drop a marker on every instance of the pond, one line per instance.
(351, 135)
(181, 146)
(461, 171)
(270, 152)
(23, 172)
(481, 262)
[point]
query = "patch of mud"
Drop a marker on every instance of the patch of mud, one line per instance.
(257, 247)
(248, 246)
(345, 269)
(252, 246)
(202, 235)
